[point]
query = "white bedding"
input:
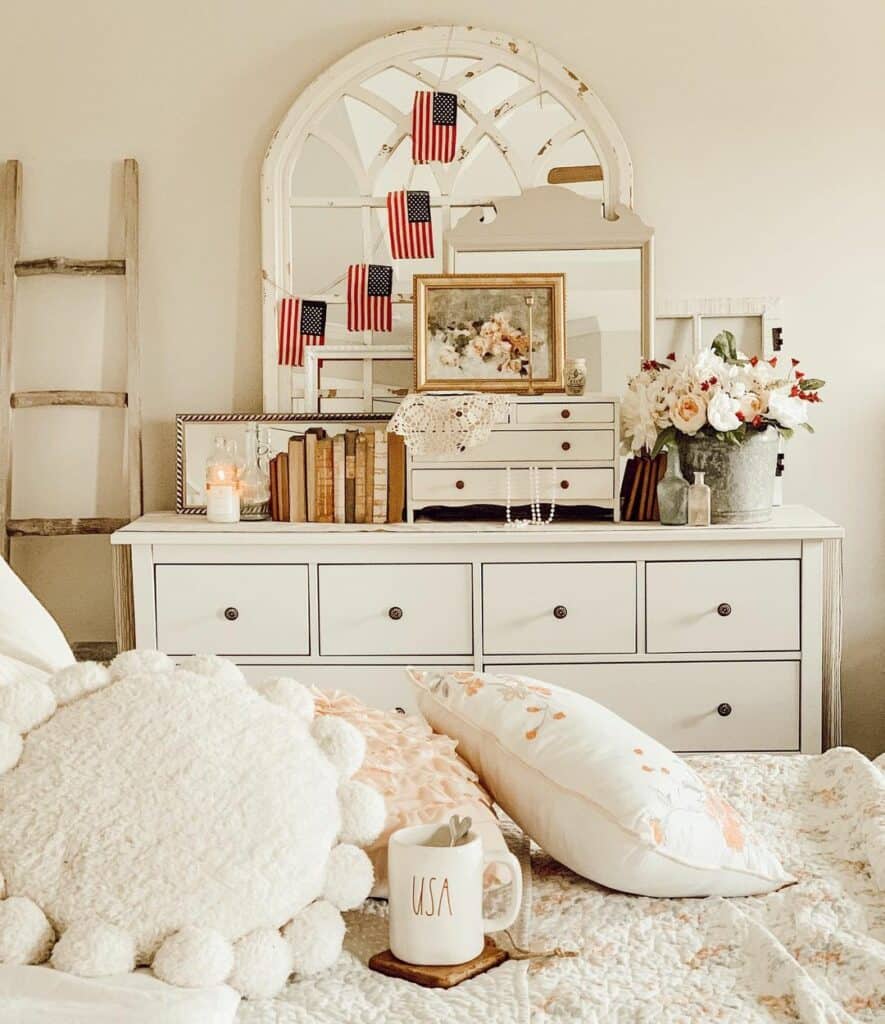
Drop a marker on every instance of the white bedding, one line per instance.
(39, 995)
(813, 952)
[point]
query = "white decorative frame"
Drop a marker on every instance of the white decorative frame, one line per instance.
(315, 354)
(401, 50)
(766, 309)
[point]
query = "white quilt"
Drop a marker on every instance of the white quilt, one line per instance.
(813, 952)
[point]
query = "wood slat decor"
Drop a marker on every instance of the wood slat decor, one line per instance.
(62, 527)
(31, 399)
(69, 266)
(572, 175)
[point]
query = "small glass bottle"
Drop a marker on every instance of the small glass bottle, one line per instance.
(254, 481)
(673, 492)
(699, 502)
(222, 488)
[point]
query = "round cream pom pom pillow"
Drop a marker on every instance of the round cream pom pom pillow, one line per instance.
(180, 818)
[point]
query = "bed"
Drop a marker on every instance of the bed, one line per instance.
(813, 952)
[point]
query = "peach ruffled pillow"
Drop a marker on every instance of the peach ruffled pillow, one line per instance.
(417, 771)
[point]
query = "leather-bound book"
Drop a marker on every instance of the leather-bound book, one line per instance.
(350, 437)
(274, 489)
(396, 477)
(283, 473)
(311, 437)
(325, 484)
(370, 475)
(359, 497)
(338, 477)
(379, 488)
(297, 480)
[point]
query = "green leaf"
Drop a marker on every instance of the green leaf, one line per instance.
(808, 427)
(811, 384)
(664, 439)
(786, 432)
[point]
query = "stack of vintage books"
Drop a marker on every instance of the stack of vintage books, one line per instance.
(358, 476)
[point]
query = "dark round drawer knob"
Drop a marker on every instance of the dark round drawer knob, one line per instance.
(564, 485)
(565, 413)
(459, 484)
(724, 609)
(724, 709)
(566, 446)
(560, 611)
(396, 613)
(231, 614)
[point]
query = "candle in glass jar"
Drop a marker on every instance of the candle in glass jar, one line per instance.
(222, 485)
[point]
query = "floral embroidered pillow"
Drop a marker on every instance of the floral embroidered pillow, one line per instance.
(595, 792)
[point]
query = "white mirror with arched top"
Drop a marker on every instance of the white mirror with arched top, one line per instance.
(524, 120)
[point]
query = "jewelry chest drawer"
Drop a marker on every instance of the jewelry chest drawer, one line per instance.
(559, 608)
(727, 606)
(490, 485)
(232, 609)
(404, 610)
(691, 706)
(552, 447)
(564, 413)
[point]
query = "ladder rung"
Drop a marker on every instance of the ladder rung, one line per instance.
(95, 650)
(62, 527)
(66, 265)
(29, 399)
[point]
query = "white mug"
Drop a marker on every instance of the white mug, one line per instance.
(435, 902)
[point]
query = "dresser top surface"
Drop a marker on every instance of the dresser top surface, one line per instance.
(791, 522)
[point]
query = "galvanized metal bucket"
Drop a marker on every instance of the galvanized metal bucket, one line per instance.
(740, 477)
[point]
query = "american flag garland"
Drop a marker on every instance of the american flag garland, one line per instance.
(409, 225)
(369, 297)
(370, 286)
(434, 127)
(302, 322)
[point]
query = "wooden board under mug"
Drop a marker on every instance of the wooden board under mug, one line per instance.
(439, 977)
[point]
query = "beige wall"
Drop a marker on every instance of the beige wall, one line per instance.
(755, 130)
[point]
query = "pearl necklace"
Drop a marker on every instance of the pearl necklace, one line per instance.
(535, 498)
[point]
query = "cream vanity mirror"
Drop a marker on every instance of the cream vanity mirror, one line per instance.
(607, 262)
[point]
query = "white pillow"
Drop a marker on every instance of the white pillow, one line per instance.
(593, 791)
(28, 633)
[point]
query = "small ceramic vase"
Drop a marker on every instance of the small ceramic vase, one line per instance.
(673, 493)
(575, 376)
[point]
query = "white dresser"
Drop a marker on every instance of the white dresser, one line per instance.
(724, 638)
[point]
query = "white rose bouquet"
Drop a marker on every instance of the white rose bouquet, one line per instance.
(718, 392)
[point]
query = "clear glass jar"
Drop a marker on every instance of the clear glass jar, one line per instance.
(222, 487)
(254, 480)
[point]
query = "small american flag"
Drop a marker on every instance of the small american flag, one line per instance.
(369, 301)
(408, 218)
(434, 123)
(302, 322)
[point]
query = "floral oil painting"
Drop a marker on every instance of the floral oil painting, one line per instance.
(480, 332)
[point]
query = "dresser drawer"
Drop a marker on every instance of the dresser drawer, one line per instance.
(479, 485)
(548, 446)
(232, 609)
(396, 609)
(554, 608)
(565, 412)
(682, 704)
(722, 606)
(379, 686)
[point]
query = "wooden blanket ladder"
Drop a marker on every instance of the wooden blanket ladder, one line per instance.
(13, 266)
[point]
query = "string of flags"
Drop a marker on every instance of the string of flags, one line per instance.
(302, 322)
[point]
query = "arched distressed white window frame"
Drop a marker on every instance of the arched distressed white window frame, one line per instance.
(468, 61)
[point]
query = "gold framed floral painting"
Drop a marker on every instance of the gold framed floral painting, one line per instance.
(489, 332)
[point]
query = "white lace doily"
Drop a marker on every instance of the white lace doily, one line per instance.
(444, 423)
